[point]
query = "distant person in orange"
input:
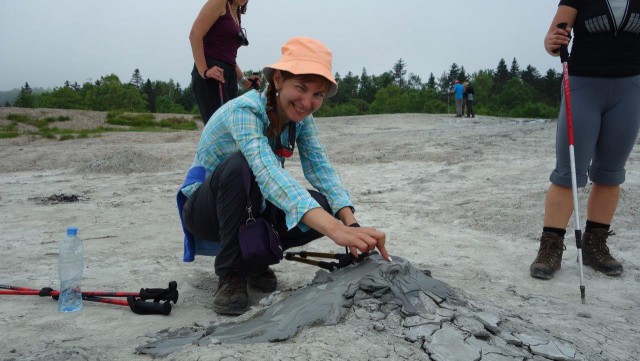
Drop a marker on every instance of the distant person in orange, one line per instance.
(215, 37)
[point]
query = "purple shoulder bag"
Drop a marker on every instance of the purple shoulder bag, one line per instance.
(260, 244)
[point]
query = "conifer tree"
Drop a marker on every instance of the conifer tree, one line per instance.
(431, 83)
(501, 76)
(367, 90)
(453, 75)
(149, 90)
(25, 97)
(514, 71)
(399, 71)
(136, 79)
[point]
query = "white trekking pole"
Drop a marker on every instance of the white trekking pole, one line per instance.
(564, 57)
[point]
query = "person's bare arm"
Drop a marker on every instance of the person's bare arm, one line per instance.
(363, 239)
(557, 37)
(246, 83)
(209, 14)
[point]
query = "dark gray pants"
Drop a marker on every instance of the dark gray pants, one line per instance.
(207, 91)
(217, 209)
(470, 108)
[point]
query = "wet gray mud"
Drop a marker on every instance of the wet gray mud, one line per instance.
(395, 297)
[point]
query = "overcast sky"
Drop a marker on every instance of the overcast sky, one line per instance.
(45, 42)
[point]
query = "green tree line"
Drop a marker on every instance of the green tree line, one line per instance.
(503, 91)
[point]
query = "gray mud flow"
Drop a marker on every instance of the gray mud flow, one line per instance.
(433, 315)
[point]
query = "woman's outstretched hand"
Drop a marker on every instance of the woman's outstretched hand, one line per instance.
(363, 239)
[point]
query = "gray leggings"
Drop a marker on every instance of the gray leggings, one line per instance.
(606, 119)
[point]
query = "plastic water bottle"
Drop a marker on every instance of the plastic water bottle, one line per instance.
(70, 270)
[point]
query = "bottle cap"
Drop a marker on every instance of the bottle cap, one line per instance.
(72, 231)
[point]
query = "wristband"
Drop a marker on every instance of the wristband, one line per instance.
(241, 81)
(204, 74)
(354, 225)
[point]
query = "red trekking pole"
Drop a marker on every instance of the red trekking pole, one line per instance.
(136, 301)
(564, 58)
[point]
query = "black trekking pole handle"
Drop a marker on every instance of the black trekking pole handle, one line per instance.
(142, 307)
(563, 49)
(161, 294)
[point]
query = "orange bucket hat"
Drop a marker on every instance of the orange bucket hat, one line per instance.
(302, 55)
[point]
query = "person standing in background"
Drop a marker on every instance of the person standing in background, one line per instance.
(604, 73)
(468, 96)
(458, 91)
(215, 37)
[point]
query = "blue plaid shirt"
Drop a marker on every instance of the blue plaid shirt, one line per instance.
(240, 125)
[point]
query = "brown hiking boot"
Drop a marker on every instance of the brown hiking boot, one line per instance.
(549, 256)
(231, 297)
(595, 252)
(264, 280)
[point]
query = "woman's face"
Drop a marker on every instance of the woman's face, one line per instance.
(299, 97)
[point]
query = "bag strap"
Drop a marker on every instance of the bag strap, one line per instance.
(246, 180)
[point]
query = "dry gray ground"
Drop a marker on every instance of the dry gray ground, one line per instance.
(463, 198)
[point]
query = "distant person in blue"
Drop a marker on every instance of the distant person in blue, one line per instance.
(261, 130)
(458, 92)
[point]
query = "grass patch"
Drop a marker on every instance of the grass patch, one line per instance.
(146, 123)
(60, 118)
(178, 123)
(9, 128)
(65, 134)
(20, 118)
(8, 131)
(134, 122)
(140, 120)
(67, 137)
(38, 123)
(6, 135)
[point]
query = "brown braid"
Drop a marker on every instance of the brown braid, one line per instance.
(272, 111)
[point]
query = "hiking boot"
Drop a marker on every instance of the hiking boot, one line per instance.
(595, 252)
(264, 280)
(231, 298)
(549, 256)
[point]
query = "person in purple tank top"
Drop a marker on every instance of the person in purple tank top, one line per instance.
(215, 37)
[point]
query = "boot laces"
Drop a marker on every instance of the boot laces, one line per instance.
(232, 283)
(600, 248)
(549, 248)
